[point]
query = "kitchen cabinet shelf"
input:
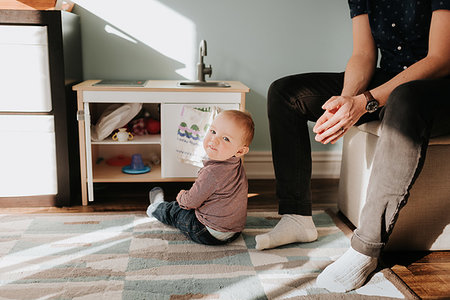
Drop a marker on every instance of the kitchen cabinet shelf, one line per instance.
(168, 99)
(105, 173)
(137, 139)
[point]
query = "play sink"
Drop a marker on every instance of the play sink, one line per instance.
(204, 84)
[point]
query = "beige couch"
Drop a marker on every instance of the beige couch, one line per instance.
(424, 223)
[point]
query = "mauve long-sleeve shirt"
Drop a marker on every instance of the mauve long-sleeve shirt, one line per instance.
(219, 195)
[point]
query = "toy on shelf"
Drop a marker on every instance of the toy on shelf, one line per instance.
(137, 165)
(153, 126)
(119, 161)
(122, 135)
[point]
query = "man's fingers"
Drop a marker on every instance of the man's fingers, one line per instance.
(319, 123)
(329, 122)
(333, 103)
(331, 134)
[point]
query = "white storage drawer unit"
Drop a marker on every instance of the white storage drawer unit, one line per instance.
(39, 161)
(24, 61)
(28, 168)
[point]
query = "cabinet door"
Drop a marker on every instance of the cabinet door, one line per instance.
(27, 156)
(24, 69)
(170, 118)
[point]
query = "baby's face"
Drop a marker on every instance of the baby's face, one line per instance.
(224, 139)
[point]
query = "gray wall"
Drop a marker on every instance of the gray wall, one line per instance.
(252, 41)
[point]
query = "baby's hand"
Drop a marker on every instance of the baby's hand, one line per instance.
(180, 193)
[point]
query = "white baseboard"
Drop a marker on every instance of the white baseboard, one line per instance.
(325, 164)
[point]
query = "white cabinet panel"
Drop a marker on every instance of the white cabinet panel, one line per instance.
(169, 127)
(25, 77)
(28, 163)
(24, 35)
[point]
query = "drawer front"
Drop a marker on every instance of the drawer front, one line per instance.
(27, 156)
(24, 72)
(23, 35)
(160, 97)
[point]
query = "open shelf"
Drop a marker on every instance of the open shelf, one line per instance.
(103, 172)
(138, 139)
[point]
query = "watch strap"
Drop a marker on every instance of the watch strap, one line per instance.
(372, 103)
(368, 95)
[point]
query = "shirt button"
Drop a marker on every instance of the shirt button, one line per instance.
(393, 24)
(405, 67)
(399, 48)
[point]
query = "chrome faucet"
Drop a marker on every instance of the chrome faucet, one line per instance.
(203, 70)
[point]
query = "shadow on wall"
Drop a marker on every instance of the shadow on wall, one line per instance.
(254, 41)
(115, 50)
(259, 41)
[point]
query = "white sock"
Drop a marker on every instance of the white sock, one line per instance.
(156, 197)
(290, 229)
(347, 273)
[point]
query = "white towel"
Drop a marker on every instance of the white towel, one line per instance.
(113, 117)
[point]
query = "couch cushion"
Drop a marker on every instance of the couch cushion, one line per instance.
(374, 128)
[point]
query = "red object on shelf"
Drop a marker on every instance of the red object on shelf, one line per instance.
(119, 161)
(153, 126)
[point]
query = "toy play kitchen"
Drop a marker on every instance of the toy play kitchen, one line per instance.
(164, 100)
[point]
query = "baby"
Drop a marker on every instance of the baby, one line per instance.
(214, 210)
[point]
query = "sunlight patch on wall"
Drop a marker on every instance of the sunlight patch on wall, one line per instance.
(112, 30)
(153, 24)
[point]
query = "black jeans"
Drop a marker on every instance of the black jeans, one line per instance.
(415, 111)
(171, 213)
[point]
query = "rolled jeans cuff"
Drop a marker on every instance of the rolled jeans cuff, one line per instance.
(364, 247)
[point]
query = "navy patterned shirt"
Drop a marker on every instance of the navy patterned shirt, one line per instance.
(400, 28)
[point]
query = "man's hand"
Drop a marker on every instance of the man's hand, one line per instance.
(341, 112)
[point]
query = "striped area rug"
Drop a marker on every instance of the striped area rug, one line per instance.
(131, 256)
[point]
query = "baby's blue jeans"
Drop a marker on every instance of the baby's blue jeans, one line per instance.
(171, 213)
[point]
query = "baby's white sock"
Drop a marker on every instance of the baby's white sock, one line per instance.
(290, 229)
(156, 196)
(347, 273)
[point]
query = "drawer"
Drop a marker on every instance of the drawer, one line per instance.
(23, 35)
(29, 159)
(24, 73)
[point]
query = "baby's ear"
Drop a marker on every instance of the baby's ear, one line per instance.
(242, 151)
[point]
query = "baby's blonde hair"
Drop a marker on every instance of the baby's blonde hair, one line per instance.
(245, 120)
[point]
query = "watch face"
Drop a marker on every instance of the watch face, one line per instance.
(372, 106)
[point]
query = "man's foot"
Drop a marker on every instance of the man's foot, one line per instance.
(290, 229)
(156, 196)
(347, 273)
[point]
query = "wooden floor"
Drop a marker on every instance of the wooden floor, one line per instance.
(426, 273)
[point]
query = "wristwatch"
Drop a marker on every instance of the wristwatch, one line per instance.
(372, 104)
